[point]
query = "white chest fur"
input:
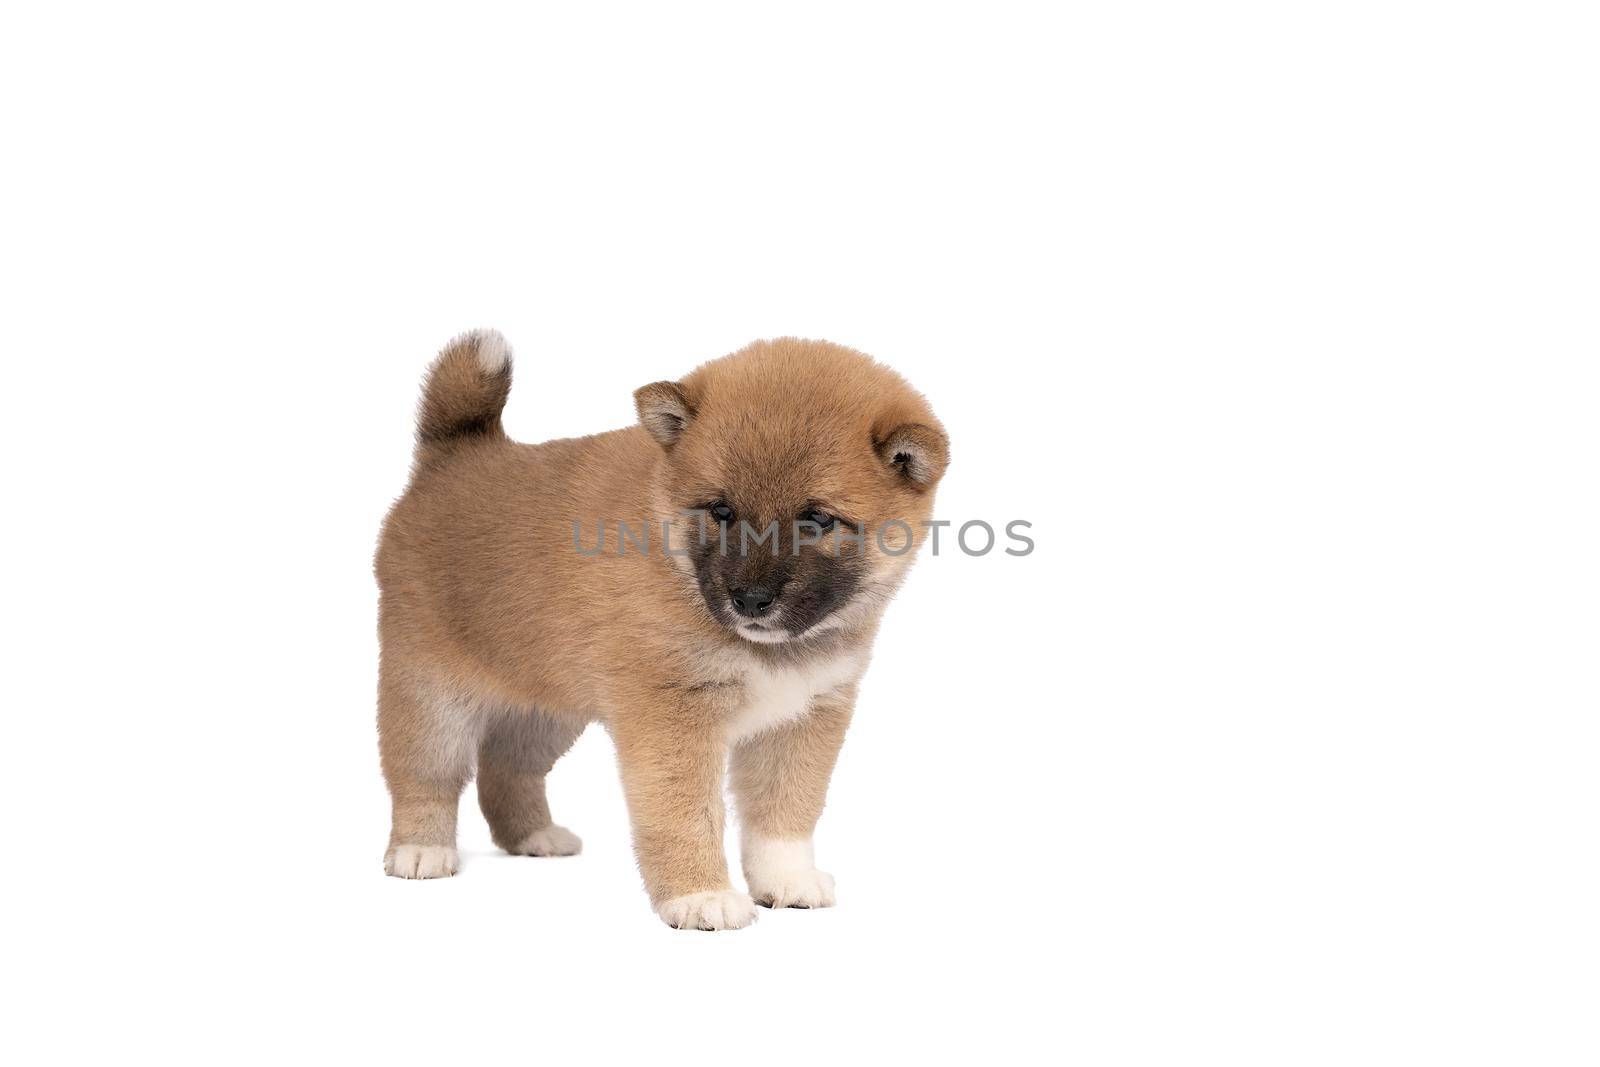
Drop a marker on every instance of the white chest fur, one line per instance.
(774, 695)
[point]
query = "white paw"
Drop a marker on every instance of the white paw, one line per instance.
(421, 861)
(782, 874)
(553, 840)
(716, 909)
(801, 888)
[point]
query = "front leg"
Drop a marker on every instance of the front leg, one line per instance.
(780, 778)
(672, 769)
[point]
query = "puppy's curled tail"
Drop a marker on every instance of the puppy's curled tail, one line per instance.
(466, 388)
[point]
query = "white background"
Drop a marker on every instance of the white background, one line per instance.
(1277, 321)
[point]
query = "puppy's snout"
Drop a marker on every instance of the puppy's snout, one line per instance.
(753, 602)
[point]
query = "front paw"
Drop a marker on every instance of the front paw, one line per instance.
(782, 874)
(715, 909)
(798, 888)
(421, 861)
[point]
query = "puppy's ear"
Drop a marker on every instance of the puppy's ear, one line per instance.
(917, 453)
(664, 411)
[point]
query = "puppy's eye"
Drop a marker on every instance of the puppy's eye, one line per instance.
(820, 519)
(721, 512)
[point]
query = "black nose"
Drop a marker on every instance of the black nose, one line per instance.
(751, 603)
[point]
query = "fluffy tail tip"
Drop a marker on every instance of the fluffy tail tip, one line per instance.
(465, 390)
(493, 350)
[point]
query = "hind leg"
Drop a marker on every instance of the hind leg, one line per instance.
(427, 739)
(517, 751)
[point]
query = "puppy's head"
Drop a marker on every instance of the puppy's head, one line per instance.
(797, 475)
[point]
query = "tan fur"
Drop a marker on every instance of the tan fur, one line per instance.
(500, 641)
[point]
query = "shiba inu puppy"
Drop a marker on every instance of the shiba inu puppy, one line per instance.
(706, 583)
